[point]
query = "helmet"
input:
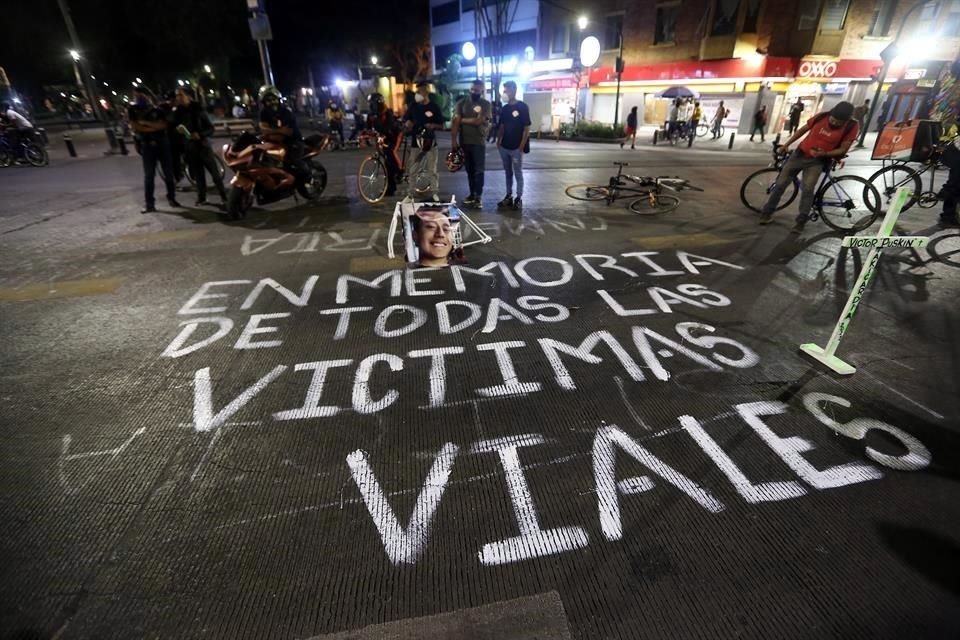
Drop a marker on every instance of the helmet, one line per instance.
(269, 92)
(455, 160)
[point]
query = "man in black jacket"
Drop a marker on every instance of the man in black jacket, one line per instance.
(194, 128)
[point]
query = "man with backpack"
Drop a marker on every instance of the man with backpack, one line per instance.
(759, 123)
(828, 136)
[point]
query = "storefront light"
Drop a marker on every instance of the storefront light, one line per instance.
(524, 69)
(510, 65)
(469, 51)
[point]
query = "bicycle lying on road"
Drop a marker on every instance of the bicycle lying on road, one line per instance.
(846, 203)
(648, 192)
(372, 175)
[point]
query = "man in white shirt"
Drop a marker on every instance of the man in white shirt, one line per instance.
(14, 125)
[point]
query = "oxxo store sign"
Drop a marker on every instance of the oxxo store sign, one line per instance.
(820, 68)
(817, 69)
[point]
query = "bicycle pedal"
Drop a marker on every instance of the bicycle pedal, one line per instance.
(928, 200)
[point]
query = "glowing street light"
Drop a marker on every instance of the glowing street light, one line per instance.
(75, 55)
(589, 51)
(374, 60)
(180, 82)
(469, 51)
(206, 68)
(139, 81)
(582, 22)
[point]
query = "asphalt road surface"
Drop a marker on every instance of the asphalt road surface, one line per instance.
(600, 426)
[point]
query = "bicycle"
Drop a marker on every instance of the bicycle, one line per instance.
(846, 203)
(707, 127)
(28, 146)
(372, 174)
(648, 191)
(898, 174)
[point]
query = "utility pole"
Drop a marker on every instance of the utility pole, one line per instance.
(82, 69)
(618, 66)
(260, 32)
(888, 56)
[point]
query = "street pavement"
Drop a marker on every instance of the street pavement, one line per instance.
(600, 426)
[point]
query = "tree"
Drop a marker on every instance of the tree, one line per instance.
(495, 18)
(412, 59)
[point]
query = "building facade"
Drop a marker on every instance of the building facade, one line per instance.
(747, 53)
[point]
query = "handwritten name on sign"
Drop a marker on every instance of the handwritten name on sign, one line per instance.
(614, 495)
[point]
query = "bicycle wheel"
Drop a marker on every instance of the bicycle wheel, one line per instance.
(372, 179)
(35, 154)
(755, 190)
(848, 203)
(588, 192)
(653, 203)
(889, 179)
(703, 129)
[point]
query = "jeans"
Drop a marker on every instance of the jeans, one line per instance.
(756, 128)
(474, 161)
(156, 152)
(423, 162)
(811, 168)
(513, 164)
(201, 161)
(951, 189)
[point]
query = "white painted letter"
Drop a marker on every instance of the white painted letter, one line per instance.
(417, 320)
(511, 383)
(253, 328)
(552, 348)
(311, 405)
(566, 272)
(202, 294)
(343, 324)
(362, 402)
(203, 418)
(175, 349)
(443, 316)
(533, 542)
(438, 371)
(403, 545)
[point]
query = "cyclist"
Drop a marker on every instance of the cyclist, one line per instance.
(335, 118)
(278, 125)
(18, 126)
(829, 135)
(422, 120)
(383, 121)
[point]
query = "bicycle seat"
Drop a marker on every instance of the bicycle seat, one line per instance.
(622, 164)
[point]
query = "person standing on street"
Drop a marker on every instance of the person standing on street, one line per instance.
(717, 122)
(796, 110)
(335, 118)
(630, 131)
(828, 136)
(195, 128)
(513, 140)
(469, 131)
(167, 107)
(759, 123)
(150, 125)
(695, 117)
(422, 120)
(382, 120)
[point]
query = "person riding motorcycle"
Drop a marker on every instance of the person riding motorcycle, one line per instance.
(383, 120)
(279, 126)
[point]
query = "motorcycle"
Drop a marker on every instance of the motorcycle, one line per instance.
(261, 174)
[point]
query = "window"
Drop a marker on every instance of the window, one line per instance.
(445, 13)
(834, 15)
(752, 17)
(443, 51)
(881, 18)
(666, 24)
(558, 44)
(611, 35)
(951, 21)
(809, 14)
(725, 17)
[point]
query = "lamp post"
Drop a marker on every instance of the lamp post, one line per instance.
(589, 54)
(618, 66)
(887, 55)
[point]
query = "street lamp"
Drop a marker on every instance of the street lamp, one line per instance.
(887, 55)
(206, 68)
(582, 22)
(618, 67)
(374, 60)
(469, 51)
(75, 55)
(589, 54)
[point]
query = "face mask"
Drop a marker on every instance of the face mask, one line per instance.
(505, 98)
(419, 98)
(475, 97)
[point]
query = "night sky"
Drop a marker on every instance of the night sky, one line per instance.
(162, 40)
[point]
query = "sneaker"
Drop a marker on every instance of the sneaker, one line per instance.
(200, 202)
(766, 218)
(173, 203)
(797, 228)
(517, 203)
(149, 209)
(506, 203)
(471, 200)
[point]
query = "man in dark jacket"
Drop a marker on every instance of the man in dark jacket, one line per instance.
(150, 125)
(195, 129)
